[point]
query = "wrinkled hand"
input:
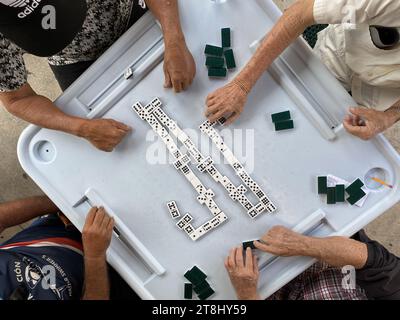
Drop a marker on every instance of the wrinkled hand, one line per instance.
(366, 123)
(104, 134)
(281, 241)
(243, 273)
(97, 232)
(179, 66)
(226, 101)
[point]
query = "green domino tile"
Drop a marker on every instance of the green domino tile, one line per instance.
(230, 59)
(201, 287)
(214, 50)
(226, 37)
(248, 244)
(356, 196)
(200, 274)
(322, 184)
(284, 125)
(340, 192)
(280, 116)
(331, 195)
(188, 291)
(354, 187)
(206, 294)
(217, 72)
(215, 62)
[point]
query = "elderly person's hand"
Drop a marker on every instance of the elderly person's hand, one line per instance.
(281, 241)
(227, 102)
(367, 123)
(179, 66)
(243, 272)
(97, 233)
(104, 134)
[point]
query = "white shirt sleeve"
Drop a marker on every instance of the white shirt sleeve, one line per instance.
(373, 12)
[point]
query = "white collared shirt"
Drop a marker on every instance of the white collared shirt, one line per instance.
(346, 47)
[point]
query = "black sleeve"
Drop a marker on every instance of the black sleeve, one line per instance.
(380, 277)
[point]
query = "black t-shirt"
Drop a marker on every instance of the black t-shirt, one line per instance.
(42, 27)
(105, 22)
(380, 277)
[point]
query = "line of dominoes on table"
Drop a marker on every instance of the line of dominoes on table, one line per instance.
(206, 164)
(265, 203)
(159, 121)
(181, 164)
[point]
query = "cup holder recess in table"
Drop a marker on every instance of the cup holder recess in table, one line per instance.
(379, 173)
(44, 151)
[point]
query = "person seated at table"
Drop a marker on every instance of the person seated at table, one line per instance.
(73, 34)
(51, 260)
(377, 271)
(361, 47)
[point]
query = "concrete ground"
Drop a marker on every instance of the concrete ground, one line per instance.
(14, 183)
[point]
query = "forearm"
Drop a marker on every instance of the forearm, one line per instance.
(292, 24)
(97, 285)
(336, 251)
(16, 212)
(167, 13)
(42, 112)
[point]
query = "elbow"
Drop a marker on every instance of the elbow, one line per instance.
(11, 101)
(10, 107)
(8, 102)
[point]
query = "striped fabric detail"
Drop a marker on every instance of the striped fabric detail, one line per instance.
(14, 3)
(48, 242)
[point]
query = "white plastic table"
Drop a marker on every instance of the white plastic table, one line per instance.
(285, 164)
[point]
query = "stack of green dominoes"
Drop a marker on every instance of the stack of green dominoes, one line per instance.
(337, 193)
(198, 284)
(282, 120)
(219, 59)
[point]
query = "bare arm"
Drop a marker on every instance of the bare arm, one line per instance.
(230, 100)
(336, 251)
(288, 28)
(393, 113)
(179, 65)
(97, 285)
(366, 123)
(24, 103)
(33, 108)
(166, 12)
(96, 237)
(16, 212)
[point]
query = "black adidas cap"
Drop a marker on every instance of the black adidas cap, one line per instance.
(42, 27)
